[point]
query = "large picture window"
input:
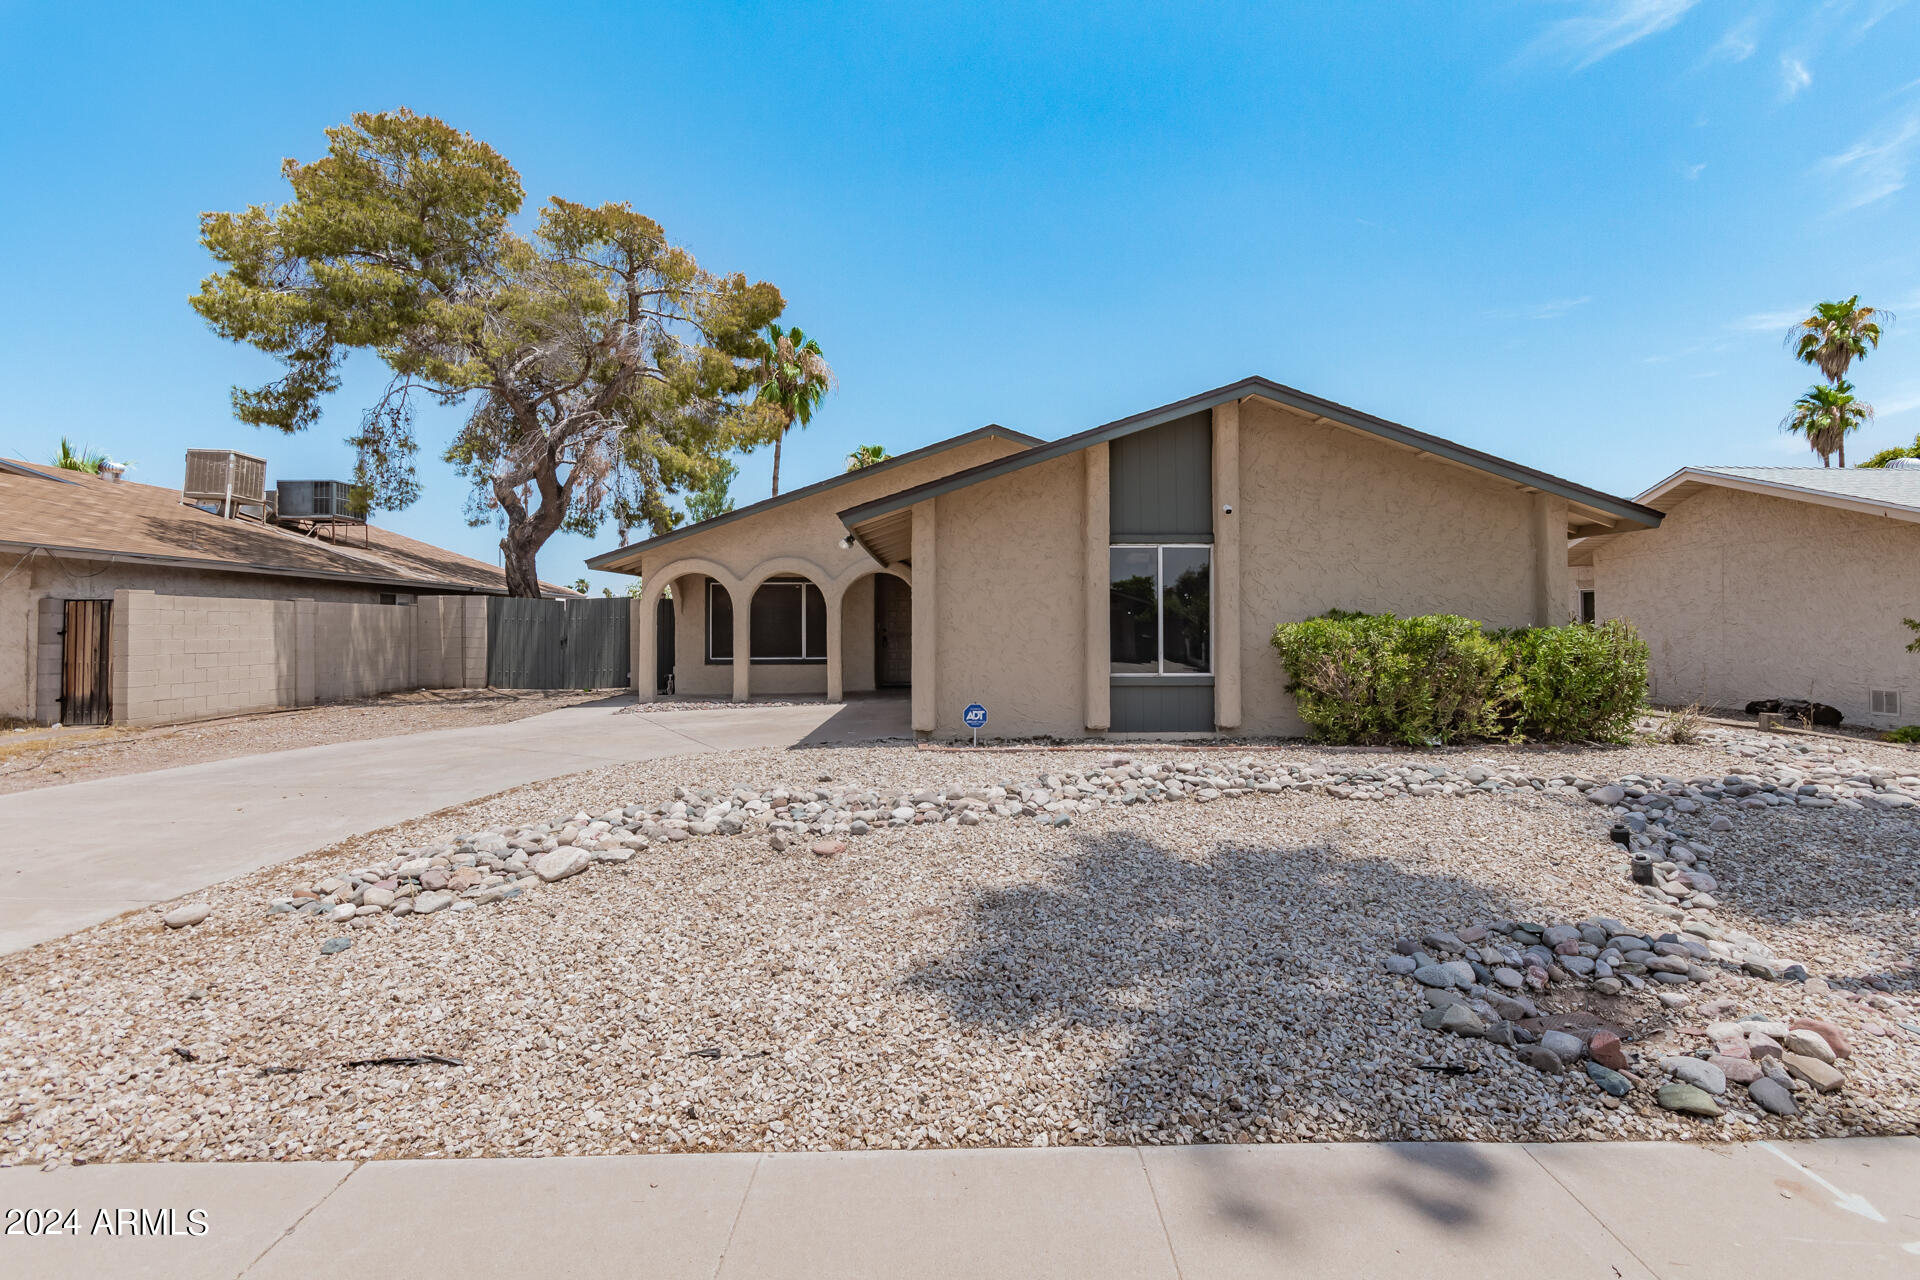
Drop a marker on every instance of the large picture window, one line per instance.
(787, 622)
(1161, 609)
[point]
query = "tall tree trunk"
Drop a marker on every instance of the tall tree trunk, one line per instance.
(1843, 453)
(528, 532)
(776, 460)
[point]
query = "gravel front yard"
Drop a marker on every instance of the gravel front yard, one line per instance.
(49, 758)
(1168, 972)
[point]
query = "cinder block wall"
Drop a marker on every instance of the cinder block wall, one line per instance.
(362, 649)
(192, 658)
(181, 658)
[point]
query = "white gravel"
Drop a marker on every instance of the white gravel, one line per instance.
(1166, 973)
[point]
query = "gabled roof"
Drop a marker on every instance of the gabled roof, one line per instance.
(1889, 491)
(73, 513)
(1603, 509)
(613, 560)
(1892, 492)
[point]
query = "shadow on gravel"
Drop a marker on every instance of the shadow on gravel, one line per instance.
(1222, 981)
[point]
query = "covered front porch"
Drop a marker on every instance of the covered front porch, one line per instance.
(786, 629)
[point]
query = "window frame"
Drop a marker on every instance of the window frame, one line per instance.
(801, 584)
(1159, 550)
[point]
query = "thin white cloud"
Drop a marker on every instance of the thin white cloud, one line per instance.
(1769, 321)
(1738, 44)
(1552, 309)
(1604, 29)
(1694, 170)
(1794, 76)
(1876, 166)
(1901, 402)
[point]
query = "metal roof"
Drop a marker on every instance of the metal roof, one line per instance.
(609, 560)
(1292, 398)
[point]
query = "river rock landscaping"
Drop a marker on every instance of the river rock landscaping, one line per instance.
(895, 948)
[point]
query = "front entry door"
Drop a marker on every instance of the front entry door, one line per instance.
(86, 662)
(892, 632)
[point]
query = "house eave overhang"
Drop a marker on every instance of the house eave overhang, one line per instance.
(1592, 505)
(1687, 481)
(627, 559)
(105, 555)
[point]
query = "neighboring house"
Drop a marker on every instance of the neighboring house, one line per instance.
(1771, 582)
(1127, 579)
(120, 601)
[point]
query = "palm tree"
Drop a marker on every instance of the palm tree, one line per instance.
(1825, 415)
(794, 379)
(1837, 334)
(866, 456)
(82, 459)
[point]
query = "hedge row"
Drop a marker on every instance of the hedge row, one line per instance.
(1375, 678)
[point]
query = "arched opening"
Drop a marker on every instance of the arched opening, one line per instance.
(876, 625)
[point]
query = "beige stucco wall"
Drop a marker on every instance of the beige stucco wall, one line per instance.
(801, 538)
(1010, 607)
(1742, 596)
(1332, 518)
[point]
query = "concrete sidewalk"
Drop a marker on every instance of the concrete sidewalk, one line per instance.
(1848, 1207)
(78, 854)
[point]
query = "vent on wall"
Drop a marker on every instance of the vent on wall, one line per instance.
(1886, 702)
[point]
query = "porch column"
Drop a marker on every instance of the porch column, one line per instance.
(926, 626)
(1226, 566)
(1097, 537)
(742, 597)
(836, 678)
(643, 642)
(1552, 578)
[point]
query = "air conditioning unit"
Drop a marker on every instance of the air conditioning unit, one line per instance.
(227, 478)
(316, 500)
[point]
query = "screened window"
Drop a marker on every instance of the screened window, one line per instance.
(1160, 610)
(787, 622)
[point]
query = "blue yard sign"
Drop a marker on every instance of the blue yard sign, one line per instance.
(975, 718)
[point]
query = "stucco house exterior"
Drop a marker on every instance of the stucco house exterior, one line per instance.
(1771, 582)
(1125, 579)
(150, 609)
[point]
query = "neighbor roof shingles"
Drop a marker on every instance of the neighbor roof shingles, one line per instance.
(89, 514)
(1895, 486)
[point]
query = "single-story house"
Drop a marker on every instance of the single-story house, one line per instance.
(126, 602)
(1125, 579)
(1771, 582)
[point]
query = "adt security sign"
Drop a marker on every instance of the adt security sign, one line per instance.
(975, 718)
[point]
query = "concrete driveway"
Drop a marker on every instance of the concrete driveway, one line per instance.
(75, 855)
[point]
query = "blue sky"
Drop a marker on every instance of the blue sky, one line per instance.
(1570, 232)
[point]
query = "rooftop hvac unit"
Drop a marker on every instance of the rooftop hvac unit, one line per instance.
(225, 477)
(316, 500)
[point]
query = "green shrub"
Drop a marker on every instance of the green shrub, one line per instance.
(1905, 733)
(1577, 683)
(1375, 678)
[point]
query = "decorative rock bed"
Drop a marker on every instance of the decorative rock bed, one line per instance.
(1661, 815)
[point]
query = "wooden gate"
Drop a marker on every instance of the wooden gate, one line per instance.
(558, 644)
(86, 662)
(892, 632)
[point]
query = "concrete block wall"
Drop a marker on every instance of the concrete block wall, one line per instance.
(178, 658)
(192, 658)
(362, 649)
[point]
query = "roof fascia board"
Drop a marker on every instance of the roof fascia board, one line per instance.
(610, 560)
(1774, 489)
(1287, 397)
(235, 566)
